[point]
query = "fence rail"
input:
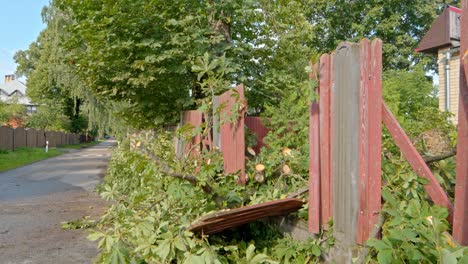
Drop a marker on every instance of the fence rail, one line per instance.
(11, 139)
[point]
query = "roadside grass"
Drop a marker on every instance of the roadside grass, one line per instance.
(83, 145)
(23, 156)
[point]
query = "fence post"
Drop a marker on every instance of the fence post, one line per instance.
(460, 221)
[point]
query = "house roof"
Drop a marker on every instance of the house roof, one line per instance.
(444, 31)
(10, 87)
(15, 88)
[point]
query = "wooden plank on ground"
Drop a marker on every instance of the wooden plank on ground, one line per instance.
(460, 221)
(314, 166)
(325, 180)
(434, 190)
(225, 219)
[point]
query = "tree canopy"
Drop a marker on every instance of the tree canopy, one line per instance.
(151, 59)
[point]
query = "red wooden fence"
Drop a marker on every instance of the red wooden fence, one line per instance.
(232, 133)
(369, 63)
(193, 118)
(331, 146)
(460, 221)
(255, 126)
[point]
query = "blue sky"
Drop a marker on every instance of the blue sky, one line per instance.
(20, 24)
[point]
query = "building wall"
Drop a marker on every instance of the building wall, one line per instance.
(454, 82)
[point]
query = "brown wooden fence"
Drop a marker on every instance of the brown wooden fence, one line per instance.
(11, 139)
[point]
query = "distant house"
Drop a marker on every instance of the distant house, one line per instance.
(443, 40)
(15, 90)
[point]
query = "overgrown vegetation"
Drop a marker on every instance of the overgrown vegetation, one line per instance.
(122, 65)
(150, 222)
(23, 156)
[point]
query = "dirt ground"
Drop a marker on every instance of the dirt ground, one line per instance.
(30, 229)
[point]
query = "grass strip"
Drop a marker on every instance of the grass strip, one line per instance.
(23, 156)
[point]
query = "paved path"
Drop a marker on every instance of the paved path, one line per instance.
(34, 200)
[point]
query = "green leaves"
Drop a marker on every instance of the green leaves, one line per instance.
(203, 65)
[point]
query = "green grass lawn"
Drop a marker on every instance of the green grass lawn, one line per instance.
(78, 146)
(22, 156)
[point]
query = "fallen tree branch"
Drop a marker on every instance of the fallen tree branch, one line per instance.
(298, 192)
(167, 170)
(431, 159)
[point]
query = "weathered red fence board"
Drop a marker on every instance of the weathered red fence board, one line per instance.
(345, 144)
(193, 118)
(255, 126)
(325, 122)
(232, 133)
(219, 221)
(370, 137)
(314, 167)
(460, 221)
(434, 190)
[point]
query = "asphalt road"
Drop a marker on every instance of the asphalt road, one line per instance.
(35, 199)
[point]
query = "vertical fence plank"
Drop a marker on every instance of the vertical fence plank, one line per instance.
(363, 140)
(6, 138)
(194, 118)
(256, 127)
(433, 189)
(324, 104)
(216, 123)
(314, 166)
(40, 138)
(19, 137)
(370, 137)
(31, 138)
(232, 134)
(374, 200)
(460, 221)
(344, 148)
